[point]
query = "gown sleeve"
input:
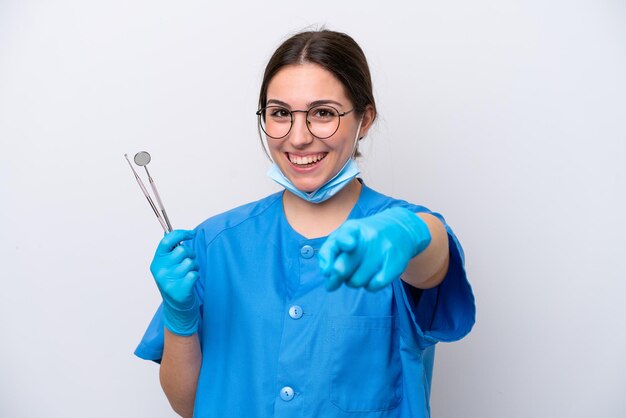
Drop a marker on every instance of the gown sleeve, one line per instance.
(151, 345)
(444, 313)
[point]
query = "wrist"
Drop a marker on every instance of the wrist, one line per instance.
(182, 322)
(415, 227)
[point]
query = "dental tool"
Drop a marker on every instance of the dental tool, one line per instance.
(142, 159)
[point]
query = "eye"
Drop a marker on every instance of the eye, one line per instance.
(323, 113)
(278, 113)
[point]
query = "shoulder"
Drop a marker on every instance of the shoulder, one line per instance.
(233, 218)
(372, 202)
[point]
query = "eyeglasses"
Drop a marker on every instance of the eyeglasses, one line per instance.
(322, 120)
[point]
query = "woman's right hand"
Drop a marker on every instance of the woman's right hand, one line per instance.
(175, 271)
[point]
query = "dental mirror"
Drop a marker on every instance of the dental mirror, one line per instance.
(147, 195)
(142, 158)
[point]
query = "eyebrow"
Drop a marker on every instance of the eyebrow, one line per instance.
(310, 105)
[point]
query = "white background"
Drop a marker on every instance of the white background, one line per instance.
(507, 117)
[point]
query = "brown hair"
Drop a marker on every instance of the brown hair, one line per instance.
(335, 52)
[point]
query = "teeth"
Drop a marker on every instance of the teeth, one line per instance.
(306, 160)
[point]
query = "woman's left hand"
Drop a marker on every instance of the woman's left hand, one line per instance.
(371, 252)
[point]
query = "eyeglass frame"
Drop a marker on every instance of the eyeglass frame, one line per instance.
(306, 112)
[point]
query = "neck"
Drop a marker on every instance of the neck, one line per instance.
(314, 220)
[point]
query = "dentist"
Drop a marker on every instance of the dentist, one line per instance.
(323, 300)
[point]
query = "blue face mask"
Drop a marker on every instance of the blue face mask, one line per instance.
(349, 171)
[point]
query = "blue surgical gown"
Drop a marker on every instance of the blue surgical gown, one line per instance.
(275, 343)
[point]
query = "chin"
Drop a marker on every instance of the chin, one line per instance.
(307, 188)
(306, 182)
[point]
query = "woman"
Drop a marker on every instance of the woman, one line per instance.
(325, 300)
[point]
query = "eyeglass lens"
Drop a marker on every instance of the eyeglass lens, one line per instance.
(322, 121)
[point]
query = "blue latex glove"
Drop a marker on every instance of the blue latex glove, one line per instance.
(371, 252)
(175, 271)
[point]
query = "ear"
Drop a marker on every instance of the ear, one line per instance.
(368, 119)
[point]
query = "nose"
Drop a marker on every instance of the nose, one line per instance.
(300, 136)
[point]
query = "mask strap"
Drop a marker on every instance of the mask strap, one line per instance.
(356, 139)
(264, 144)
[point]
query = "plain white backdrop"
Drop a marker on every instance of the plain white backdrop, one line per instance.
(507, 117)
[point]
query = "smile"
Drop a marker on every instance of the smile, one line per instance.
(306, 161)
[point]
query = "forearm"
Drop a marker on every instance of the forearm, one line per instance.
(180, 368)
(428, 268)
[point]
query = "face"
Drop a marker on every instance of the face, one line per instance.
(306, 160)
